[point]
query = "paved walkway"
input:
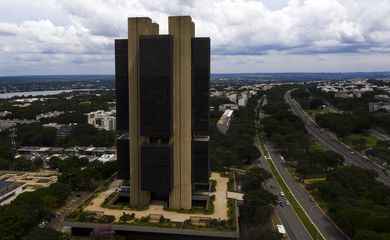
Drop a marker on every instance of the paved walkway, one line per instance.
(220, 204)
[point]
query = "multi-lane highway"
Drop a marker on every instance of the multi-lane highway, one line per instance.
(329, 142)
(324, 224)
(293, 225)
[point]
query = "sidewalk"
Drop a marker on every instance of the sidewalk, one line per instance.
(220, 204)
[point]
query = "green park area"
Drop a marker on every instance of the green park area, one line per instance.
(360, 141)
(313, 112)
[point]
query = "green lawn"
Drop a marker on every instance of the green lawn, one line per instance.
(313, 112)
(315, 147)
(360, 141)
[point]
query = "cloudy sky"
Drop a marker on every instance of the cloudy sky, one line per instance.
(76, 36)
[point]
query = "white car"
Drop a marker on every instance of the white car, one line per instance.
(43, 224)
(281, 193)
(287, 203)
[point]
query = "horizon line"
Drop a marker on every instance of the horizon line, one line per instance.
(231, 73)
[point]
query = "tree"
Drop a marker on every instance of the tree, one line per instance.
(38, 162)
(23, 164)
(316, 103)
(254, 178)
(368, 235)
(46, 233)
(249, 152)
(260, 232)
(102, 233)
(257, 206)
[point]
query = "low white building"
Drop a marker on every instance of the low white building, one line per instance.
(382, 97)
(223, 123)
(243, 101)
(5, 113)
(232, 97)
(231, 106)
(103, 120)
(49, 115)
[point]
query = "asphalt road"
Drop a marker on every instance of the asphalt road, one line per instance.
(71, 203)
(329, 142)
(328, 229)
(292, 224)
(380, 135)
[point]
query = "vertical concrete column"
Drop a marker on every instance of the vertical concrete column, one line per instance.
(182, 29)
(136, 27)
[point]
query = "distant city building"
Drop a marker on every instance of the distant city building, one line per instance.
(376, 106)
(103, 120)
(223, 123)
(21, 105)
(223, 107)
(382, 97)
(62, 129)
(28, 100)
(243, 101)
(49, 115)
(5, 113)
(216, 94)
(343, 95)
(7, 123)
(232, 97)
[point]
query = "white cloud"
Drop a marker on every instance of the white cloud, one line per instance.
(242, 31)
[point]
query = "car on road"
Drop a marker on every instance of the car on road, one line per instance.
(43, 224)
(282, 194)
(287, 203)
(281, 204)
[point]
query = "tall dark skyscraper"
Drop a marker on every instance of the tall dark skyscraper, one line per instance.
(162, 89)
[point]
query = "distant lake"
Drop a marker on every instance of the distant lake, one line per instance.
(40, 93)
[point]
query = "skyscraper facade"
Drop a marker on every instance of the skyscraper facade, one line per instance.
(162, 89)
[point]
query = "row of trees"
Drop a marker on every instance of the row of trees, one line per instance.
(288, 133)
(29, 208)
(258, 205)
(236, 147)
(80, 174)
(343, 124)
(80, 135)
(357, 203)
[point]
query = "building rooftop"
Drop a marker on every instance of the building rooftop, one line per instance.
(4, 184)
(225, 118)
(202, 138)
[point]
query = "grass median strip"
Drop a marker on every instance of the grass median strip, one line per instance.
(294, 203)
